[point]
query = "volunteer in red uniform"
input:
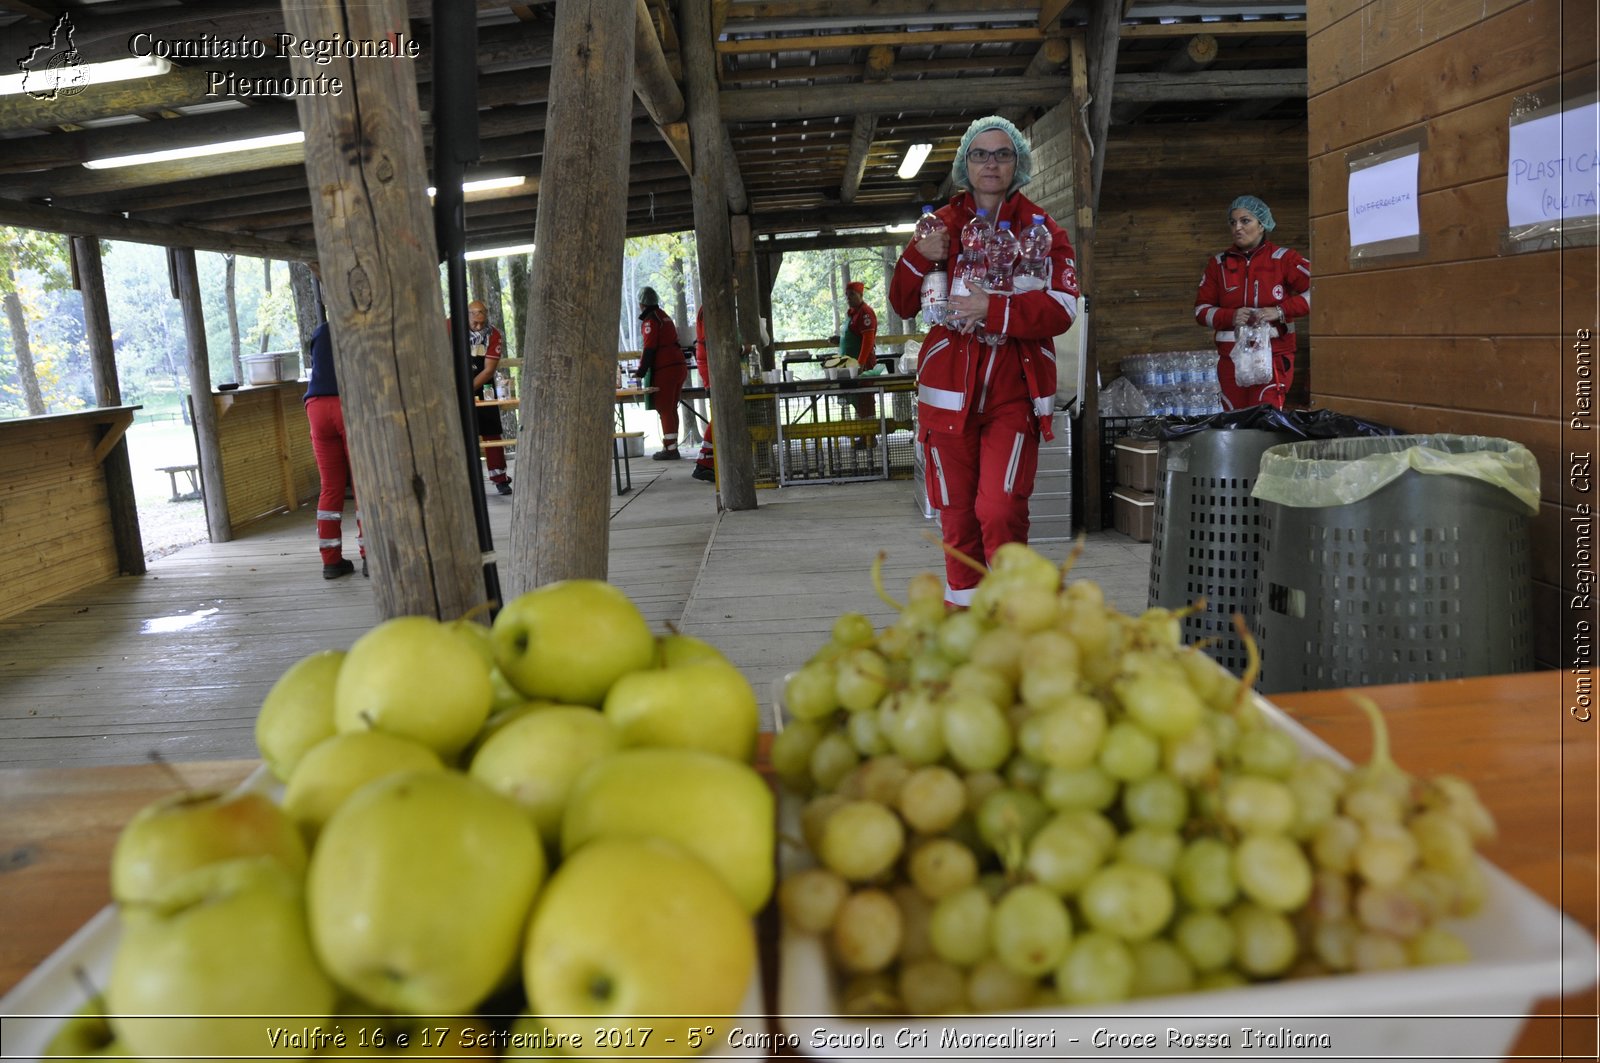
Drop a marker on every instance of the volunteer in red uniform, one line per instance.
(982, 409)
(705, 467)
(858, 341)
(485, 347)
(661, 367)
(325, 417)
(1254, 280)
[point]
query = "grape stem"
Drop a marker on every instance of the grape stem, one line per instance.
(975, 565)
(1071, 560)
(1252, 669)
(1379, 759)
(877, 582)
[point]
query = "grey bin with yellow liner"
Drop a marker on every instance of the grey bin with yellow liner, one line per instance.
(1395, 559)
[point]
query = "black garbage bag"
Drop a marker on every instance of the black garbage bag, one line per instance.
(1304, 424)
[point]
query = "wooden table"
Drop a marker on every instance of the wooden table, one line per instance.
(1511, 736)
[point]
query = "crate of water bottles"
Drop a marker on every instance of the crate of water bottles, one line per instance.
(1176, 383)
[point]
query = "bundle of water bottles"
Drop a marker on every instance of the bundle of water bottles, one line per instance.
(1176, 383)
(993, 259)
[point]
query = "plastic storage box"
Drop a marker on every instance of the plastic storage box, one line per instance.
(1137, 462)
(1134, 513)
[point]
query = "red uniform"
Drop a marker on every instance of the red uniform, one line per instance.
(664, 365)
(861, 334)
(1267, 275)
(981, 410)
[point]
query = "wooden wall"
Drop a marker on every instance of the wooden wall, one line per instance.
(267, 463)
(1163, 212)
(56, 529)
(1463, 337)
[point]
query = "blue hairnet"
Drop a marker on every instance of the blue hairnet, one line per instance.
(1258, 210)
(1024, 171)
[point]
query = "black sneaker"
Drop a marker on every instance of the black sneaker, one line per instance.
(703, 473)
(504, 488)
(666, 455)
(343, 568)
(364, 568)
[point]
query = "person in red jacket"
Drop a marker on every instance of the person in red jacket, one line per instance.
(1254, 280)
(486, 345)
(662, 367)
(859, 342)
(982, 408)
(705, 467)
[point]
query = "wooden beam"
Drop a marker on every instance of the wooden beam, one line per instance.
(22, 154)
(89, 278)
(560, 516)
(733, 177)
(1258, 28)
(676, 137)
(1050, 12)
(747, 288)
(1211, 85)
(1197, 53)
(880, 60)
(915, 38)
(1048, 61)
(652, 80)
(1105, 20)
(1083, 226)
(182, 87)
(923, 10)
(847, 217)
(378, 253)
(186, 288)
(736, 474)
(39, 10)
(112, 227)
(80, 182)
(972, 94)
(768, 246)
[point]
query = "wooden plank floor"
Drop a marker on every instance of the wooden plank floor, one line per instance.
(176, 662)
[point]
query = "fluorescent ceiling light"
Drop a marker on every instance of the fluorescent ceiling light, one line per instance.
(916, 155)
(141, 66)
(484, 185)
(225, 147)
(501, 252)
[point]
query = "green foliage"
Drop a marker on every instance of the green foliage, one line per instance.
(39, 253)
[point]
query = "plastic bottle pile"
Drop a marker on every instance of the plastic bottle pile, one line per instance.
(1176, 383)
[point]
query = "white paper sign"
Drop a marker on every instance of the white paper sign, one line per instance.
(1383, 201)
(1554, 169)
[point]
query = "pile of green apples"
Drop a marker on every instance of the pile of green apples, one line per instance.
(544, 837)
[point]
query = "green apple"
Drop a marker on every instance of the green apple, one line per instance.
(716, 808)
(203, 966)
(86, 1034)
(419, 888)
(679, 649)
(633, 933)
(338, 767)
(502, 716)
(298, 711)
(417, 678)
(177, 834)
(535, 758)
(570, 640)
(702, 705)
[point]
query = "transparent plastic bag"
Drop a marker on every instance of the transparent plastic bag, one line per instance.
(1252, 354)
(1121, 399)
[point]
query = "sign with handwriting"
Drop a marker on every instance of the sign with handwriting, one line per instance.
(1383, 200)
(1554, 170)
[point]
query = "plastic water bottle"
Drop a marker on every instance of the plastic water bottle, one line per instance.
(1033, 268)
(936, 283)
(970, 266)
(1002, 258)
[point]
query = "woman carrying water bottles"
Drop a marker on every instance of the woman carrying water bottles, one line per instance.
(986, 376)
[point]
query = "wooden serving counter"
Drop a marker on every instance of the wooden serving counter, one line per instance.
(1533, 764)
(66, 505)
(267, 463)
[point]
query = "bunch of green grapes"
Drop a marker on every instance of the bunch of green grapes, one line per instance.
(1040, 800)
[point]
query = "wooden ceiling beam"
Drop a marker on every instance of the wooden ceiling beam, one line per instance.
(915, 38)
(923, 10)
(182, 193)
(112, 227)
(21, 154)
(39, 10)
(941, 94)
(846, 217)
(907, 69)
(880, 60)
(180, 87)
(768, 245)
(79, 181)
(1275, 27)
(1210, 85)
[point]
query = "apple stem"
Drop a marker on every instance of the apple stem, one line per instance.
(166, 766)
(81, 974)
(481, 609)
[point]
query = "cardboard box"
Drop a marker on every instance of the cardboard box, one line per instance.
(1134, 513)
(1137, 461)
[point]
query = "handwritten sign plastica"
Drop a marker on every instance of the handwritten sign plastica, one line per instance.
(1382, 201)
(1553, 174)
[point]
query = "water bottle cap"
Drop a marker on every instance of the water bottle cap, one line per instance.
(1038, 218)
(927, 208)
(983, 212)
(1005, 225)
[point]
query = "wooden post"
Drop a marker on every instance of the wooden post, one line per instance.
(747, 289)
(308, 312)
(561, 516)
(736, 470)
(1105, 23)
(375, 241)
(90, 279)
(186, 289)
(1083, 185)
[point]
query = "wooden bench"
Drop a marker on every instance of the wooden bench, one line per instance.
(619, 458)
(192, 472)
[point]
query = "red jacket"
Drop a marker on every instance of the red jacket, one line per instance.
(659, 337)
(947, 366)
(1268, 275)
(861, 333)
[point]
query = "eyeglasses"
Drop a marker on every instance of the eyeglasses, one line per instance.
(983, 155)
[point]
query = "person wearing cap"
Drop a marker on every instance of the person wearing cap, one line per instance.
(983, 408)
(1253, 280)
(860, 336)
(663, 367)
(485, 347)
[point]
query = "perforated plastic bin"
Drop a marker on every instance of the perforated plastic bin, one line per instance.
(1427, 577)
(1207, 541)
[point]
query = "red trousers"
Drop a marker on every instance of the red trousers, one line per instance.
(668, 382)
(329, 446)
(1272, 393)
(980, 480)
